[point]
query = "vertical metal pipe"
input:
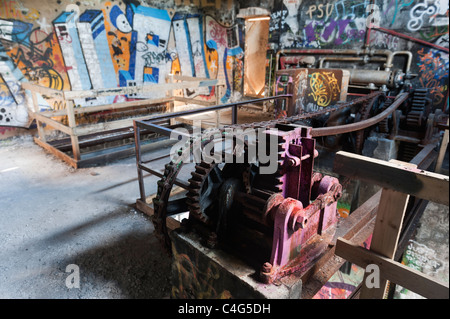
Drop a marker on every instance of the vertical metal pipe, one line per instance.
(137, 145)
(234, 114)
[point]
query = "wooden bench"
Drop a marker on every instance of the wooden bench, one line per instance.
(97, 134)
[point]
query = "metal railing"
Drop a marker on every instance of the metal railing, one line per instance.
(151, 125)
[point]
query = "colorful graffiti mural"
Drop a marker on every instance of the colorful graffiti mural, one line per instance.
(318, 23)
(108, 44)
(433, 73)
(343, 24)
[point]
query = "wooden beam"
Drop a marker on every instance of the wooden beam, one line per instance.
(66, 158)
(107, 107)
(41, 131)
(70, 95)
(147, 206)
(188, 78)
(55, 124)
(423, 184)
(402, 275)
(47, 92)
(444, 145)
(73, 137)
(357, 227)
(193, 101)
(106, 126)
(386, 233)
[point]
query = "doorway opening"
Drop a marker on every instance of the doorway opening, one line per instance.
(256, 39)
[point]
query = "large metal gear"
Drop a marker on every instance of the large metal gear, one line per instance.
(207, 179)
(419, 111)
(367, 110)
(383, 126)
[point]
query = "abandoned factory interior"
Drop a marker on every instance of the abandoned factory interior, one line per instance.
(224, 149)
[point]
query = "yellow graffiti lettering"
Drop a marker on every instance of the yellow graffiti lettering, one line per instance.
(324, 87)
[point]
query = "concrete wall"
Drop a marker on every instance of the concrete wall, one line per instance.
(342, 24)
(90, 44)
(68, 44)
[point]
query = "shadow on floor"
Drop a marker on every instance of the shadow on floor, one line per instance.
(134, 266)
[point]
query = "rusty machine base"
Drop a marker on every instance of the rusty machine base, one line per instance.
(199, 272)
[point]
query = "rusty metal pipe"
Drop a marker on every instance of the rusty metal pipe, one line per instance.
(408, 62)
(350, 59)
(370, 76)
(312, 51)
(341, 129)
(357, 52)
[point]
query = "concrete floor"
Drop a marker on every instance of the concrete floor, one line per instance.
(53, 216)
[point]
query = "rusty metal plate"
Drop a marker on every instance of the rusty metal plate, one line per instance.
(312, 89)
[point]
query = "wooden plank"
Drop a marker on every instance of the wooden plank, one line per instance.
(386, 233)
(187, 78)
(55, 124)
(48, 92)
(41, 131)
(142, 206)
(73, 137)
(444, 145)
(70, 95)
(169, 79)
(423, 184)
(360, 217)
(193, 101)
(147, 206)
(402, 275)
(357, 227)
(106, 126)
(172, 223)
(107, 107)
(66, 158)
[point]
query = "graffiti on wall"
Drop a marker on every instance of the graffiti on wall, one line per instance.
(108, 45)
(428, 20)
(433, 73)
(318, 23)
(324, 87)
(194, 279)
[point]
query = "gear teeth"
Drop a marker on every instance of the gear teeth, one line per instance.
(418, 112)
(197, 176)
(196, 184)
(202, 170)
(275, 181)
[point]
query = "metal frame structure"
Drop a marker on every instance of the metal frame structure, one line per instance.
(356, 228)
(151, 125)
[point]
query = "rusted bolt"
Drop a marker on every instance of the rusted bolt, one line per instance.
(293, 161)
(267, 267)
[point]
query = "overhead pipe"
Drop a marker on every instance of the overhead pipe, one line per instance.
(350, 59)
(341, 129)
(368, 54)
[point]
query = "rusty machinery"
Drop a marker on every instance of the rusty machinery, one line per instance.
(318, 78)
(280, 222)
